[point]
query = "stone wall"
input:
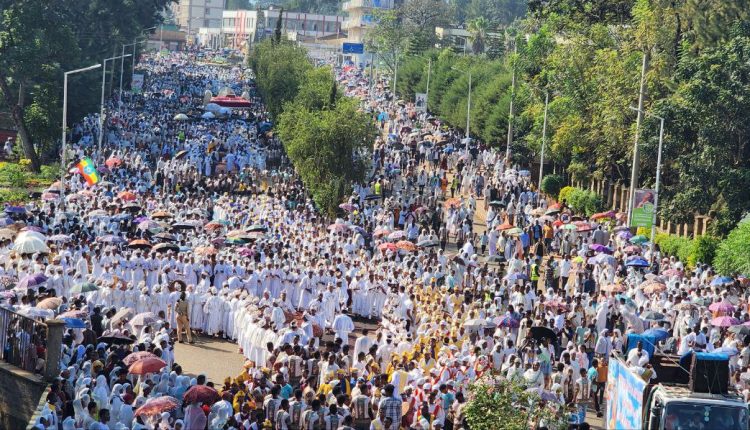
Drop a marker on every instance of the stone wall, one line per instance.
(20, 395)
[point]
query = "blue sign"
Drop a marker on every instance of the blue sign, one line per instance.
(354, 48)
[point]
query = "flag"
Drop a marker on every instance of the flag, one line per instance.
(88, 171)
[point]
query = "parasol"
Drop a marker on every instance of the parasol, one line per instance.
(139, 244)
(406, 245)
(147, 365)
(50, 303)
(31, 281)
(28, 244)
(116, 339)
(84, 287)
(158, 405)
(724, 321)
(143, 319)
(122, 314)
(74, 323)
(135, 356)
(540, 332)
(201, 394)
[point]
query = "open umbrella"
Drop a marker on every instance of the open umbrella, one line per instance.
(452, 203)
(183, 226)
(74, 323)
(200, 394)
(639, 239)
(36, 313)
(397, 235)
(110, 238)
(161, 214)
(180, 117)
(652, 316)
(122, 314)
(541, 332)
(164, 247)
(388, 246)
(507, 321)
(724, 321)
(602, 259)
(653, 287)
(157, 406)
(31, 281)
(497, 203)
(169, 237)
(515, 231)
(84, 287)
(147, 365)
(7, 234)
(614, 288)
(143, 318)
(505, 226)
(75, 313)
(139, 244)
(547, 396)
(721, 280)
(256, 227)
(135, 356)
(637, 262)
(517, 277)
(116, 339)
(113, 162)
(206, 250)
(27, 244)
(212, 226)
(50, 303)
(406, 245)
(348, 207)
(658, 333)
(338, 227)
(428, 243)
(722, 306)
(380, 232)
(60, 238)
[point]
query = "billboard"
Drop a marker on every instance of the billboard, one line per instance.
(420, 102)
(643, 208)
(624, 397)
(353, 48)
(137, 84)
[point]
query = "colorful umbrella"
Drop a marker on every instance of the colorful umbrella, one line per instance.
(135, 356)
(206, 250)
(74, 323)
(724, 321)
(639, 240)
(200, 394)
(84, 287)
(31, 281)
(388, 246)
(50, 303)
(75, 313)
(147, 365)
(406, 245)
(113, 162)
(139, 244)
(144, 318)
(614, 288)
(161, 214)
(722, 306)
(158, 405)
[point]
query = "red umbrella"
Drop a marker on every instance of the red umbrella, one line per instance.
(135, 356)
(127, 196)
(113, 162)
(158, 405)
(388, 246)
(231, 101)
(201, 394)
(146, 365)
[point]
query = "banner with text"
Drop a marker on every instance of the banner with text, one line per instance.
(420, 102)
(643, 209)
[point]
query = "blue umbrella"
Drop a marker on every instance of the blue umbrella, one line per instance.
(74, 323)
(517, 276)
(637, 262)
(722, 280)
(15, 210)
(658, 334)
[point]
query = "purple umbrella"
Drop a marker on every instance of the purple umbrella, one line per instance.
(110, 238)
(600, 248)
(31, 281)
(722, 306)
(625, 234)
(5, 221)
(507, 321)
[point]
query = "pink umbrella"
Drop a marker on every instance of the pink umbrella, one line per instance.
(388, 247)
(158, 405)
(722, 306)
(338, 227)
(397, 235)
(724, 321)
(381, 232)
(135, 356)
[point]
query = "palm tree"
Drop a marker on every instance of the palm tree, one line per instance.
(478, 34)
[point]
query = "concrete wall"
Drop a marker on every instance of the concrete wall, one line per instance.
(20, 394)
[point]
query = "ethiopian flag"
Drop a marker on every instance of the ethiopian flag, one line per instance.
(88, 171)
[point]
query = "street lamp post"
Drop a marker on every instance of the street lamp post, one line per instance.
(427, 93)
(658, 171)
(135, 44)
(101, 104)
(64, 126)
(544, 141)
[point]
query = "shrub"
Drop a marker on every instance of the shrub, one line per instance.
(732, 255)
(584, 201)
(704, 250)
(13, 196)
(565, 194)
(13, 175)
(551, 185)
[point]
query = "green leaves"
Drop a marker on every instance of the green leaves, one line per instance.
(732, 256)
(325, 135)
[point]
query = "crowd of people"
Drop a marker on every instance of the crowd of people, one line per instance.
(446, 267)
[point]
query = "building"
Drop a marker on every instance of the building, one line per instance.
(238, 26)
(458, 38)
(166, 37)
(361, 16)
(194, 14)
(304, 25)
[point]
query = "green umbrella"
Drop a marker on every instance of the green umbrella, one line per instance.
(515, 231)
(640, 239)
(570, 227)
(85, 287)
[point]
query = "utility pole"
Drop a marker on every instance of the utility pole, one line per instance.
(636, 150)
(510, 114)
(395, 76)
(427, 93)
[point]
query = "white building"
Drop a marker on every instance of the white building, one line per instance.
(194, 14)
(361, 16)
(238, 26)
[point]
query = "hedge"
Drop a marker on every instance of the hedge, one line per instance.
(702, 249)
(584, 201)
(564, 195)
(551, 185)
(732, 255)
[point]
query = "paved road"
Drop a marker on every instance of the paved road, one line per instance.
(213, 357)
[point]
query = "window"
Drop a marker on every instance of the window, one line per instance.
(208, 11)
(207, 23)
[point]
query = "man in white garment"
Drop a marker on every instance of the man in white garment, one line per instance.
(343, 325)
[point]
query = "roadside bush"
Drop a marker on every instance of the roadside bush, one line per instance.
(13, 175)
(551, 185)
(13, 196)
(732, 255)
(565, 194)
(584, 201)
(704, 250)
(690, 251)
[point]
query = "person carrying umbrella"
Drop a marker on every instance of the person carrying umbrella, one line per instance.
(182, 310)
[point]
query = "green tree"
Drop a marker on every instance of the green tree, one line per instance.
(478, 28)
(280, 69)
(732, 256)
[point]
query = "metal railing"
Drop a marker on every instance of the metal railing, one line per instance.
(20, 339)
